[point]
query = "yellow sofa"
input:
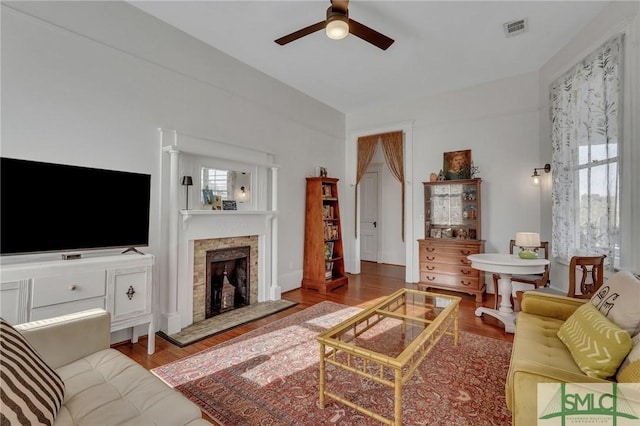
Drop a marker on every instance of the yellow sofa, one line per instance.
(538, 355)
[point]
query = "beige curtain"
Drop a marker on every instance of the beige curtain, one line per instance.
(366, 150)
(392, 147)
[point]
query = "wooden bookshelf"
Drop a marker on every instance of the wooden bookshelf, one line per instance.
(323, 267)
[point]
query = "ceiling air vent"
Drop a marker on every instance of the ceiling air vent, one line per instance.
(515, 27)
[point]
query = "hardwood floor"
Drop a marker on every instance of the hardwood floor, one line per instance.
(373, 283)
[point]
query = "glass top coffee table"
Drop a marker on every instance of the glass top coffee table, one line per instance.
(387, 342)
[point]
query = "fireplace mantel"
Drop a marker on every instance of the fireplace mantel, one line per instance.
(187, 214)
(186, 226)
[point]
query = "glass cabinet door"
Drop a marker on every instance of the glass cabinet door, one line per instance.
(452, 209)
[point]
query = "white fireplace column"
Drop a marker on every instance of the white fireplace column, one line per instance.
(170, 320)
(275, 291)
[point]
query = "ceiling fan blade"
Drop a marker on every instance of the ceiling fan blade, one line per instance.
(369, 35)
(301, 33)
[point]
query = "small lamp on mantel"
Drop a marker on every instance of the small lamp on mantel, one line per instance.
(527, 241)
(187, 181)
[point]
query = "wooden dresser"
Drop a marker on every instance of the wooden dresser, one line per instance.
(444, 265)
(452, 212)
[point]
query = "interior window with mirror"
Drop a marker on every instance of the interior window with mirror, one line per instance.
(224, 185)
(217, 181)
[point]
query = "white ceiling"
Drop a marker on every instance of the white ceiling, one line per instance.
(439, 45)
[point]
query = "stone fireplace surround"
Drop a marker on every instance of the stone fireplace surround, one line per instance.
(200, 248)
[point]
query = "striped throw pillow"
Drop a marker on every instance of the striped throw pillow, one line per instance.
(31, 392)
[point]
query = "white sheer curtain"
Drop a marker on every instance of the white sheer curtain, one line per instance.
(585, 124)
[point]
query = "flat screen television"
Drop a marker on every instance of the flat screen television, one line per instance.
(47, 207)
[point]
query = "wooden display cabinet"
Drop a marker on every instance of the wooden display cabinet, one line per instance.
(452, 232)
(323, 267)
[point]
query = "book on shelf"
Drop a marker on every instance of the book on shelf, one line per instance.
(328, 270)
(328, 250)
(327, 211)
(330, 231)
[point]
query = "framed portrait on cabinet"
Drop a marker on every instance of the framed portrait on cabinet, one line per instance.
(457, 165)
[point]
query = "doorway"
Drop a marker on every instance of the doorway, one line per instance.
(369, 215)
(410, 249)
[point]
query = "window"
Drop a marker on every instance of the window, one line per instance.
(585, 117)
(598, 203)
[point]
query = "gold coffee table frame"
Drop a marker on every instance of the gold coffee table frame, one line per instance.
(342, 338)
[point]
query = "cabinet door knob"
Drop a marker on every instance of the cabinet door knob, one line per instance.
(465, 261)
(465, 252)
(430, 257)
(465, 282)
(465, 271)
(130, 292)
(73, 287)
(431, 278)
(431, 268)
(430, 249)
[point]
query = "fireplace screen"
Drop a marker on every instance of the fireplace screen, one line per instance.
(227, 279)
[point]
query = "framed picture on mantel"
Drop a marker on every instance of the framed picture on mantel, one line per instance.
(229, 205)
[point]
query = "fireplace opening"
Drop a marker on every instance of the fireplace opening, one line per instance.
(227, 280)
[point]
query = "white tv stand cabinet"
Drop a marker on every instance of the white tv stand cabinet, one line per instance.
(119, 283)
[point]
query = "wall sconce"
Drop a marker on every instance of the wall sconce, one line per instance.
(187, 181)
(536, 177)
(243, 194)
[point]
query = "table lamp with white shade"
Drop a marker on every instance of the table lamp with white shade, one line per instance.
(528, 241)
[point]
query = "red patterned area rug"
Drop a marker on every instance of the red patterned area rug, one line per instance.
(269, 376)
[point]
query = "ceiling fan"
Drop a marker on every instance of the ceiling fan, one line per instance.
(338, 25)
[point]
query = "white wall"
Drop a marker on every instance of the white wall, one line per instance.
(90, 83)
(616, 17)
(499, 122)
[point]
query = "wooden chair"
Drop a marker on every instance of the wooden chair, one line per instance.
(592, 275)
(537, 280)
(592, 269)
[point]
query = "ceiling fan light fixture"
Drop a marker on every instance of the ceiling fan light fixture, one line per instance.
(337, 27)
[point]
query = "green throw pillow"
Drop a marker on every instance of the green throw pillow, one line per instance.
(597, 345)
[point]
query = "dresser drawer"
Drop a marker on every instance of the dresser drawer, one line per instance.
(453, 280)
(449, 250)
(68, 288)
(444, 258)
(462, 270)
(66, 308)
